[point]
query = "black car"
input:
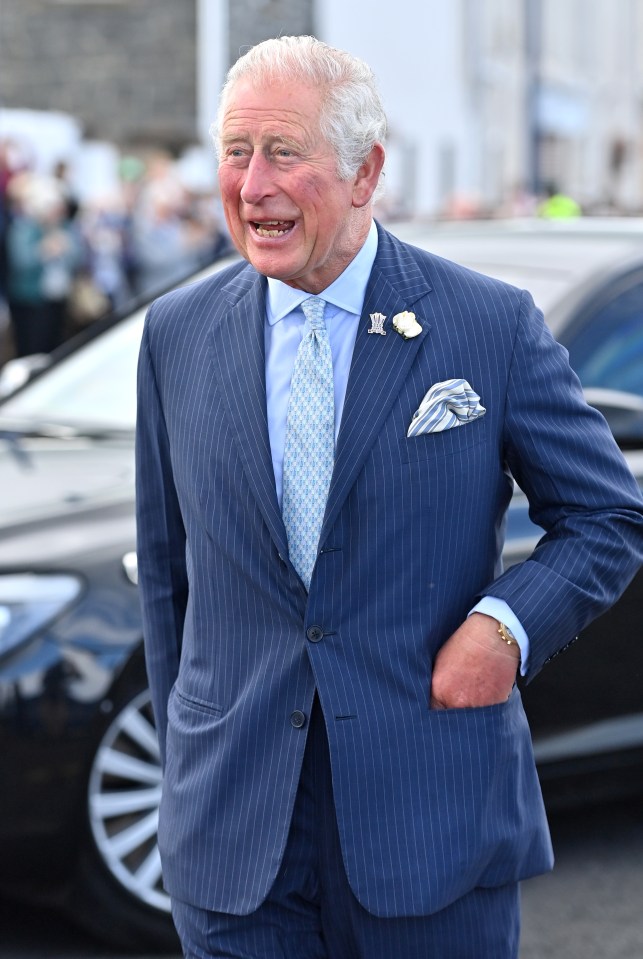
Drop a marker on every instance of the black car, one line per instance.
(78, 752)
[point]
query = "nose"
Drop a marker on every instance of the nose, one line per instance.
(258, 180)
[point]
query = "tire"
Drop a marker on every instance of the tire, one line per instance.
(118, 896)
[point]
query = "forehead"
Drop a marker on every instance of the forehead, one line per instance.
(273, 109)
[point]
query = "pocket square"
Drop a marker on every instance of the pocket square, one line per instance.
(446, 404)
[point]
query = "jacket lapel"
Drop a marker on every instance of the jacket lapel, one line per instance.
(380, 364)
(238, 354)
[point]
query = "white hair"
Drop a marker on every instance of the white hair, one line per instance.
(352, 116)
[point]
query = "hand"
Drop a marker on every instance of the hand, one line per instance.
(474, 667)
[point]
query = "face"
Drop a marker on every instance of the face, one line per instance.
(288, 212)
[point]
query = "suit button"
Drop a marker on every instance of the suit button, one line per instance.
(298, 719)
(314, 633)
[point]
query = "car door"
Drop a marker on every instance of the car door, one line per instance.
(586, 707)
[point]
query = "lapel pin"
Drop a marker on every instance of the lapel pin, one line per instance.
(377, 324)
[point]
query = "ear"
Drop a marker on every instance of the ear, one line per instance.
(368, 176)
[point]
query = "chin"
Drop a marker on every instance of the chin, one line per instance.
(273, 266)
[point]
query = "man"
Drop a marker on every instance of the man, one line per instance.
(324, 462)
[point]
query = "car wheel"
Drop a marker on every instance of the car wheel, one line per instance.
(119, 894)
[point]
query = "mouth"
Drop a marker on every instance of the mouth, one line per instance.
(272, 228)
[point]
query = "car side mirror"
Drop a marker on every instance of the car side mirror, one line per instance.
(15, 373)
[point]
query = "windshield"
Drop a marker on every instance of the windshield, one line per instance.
(92, 387)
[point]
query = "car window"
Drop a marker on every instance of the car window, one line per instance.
(94, 386)
(606, 348)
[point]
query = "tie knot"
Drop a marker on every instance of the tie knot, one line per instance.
(313, 309)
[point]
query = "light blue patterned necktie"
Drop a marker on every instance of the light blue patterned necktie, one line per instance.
(310, 441)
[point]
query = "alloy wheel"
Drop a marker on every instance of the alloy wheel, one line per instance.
(124, 797)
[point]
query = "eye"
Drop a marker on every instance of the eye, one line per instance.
(284, 153)
(235, 154)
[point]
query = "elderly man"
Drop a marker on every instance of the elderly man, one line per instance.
(326, 443)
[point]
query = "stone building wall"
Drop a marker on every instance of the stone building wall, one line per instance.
(126, 70)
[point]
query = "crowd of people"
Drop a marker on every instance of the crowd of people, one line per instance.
(65, 263)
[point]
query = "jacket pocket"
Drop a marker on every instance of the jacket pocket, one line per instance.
(198, 704)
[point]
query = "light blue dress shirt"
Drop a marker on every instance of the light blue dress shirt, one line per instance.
(283, 333)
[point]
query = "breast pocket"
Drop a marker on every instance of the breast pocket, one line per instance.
(447, 443)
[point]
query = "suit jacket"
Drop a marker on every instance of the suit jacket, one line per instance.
(429, 803)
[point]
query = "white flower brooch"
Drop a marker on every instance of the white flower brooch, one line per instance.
(406, 325)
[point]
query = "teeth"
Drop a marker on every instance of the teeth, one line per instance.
(263, 229)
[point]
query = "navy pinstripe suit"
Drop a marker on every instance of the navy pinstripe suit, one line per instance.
(429, 803)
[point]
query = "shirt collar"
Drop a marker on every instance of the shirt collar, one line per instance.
(347, 292)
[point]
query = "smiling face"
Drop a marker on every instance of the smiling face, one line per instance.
(288, 212)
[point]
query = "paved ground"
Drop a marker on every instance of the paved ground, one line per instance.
(590, 907)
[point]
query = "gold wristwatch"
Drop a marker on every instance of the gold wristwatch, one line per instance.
(506, 635)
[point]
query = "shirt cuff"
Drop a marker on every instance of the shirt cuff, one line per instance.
(498, 609)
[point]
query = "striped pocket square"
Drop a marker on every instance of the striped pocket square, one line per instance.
(446, 404)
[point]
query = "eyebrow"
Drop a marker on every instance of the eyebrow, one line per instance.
(287, 141)
(269, 138)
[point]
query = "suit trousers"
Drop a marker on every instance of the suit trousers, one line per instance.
(311, 912)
